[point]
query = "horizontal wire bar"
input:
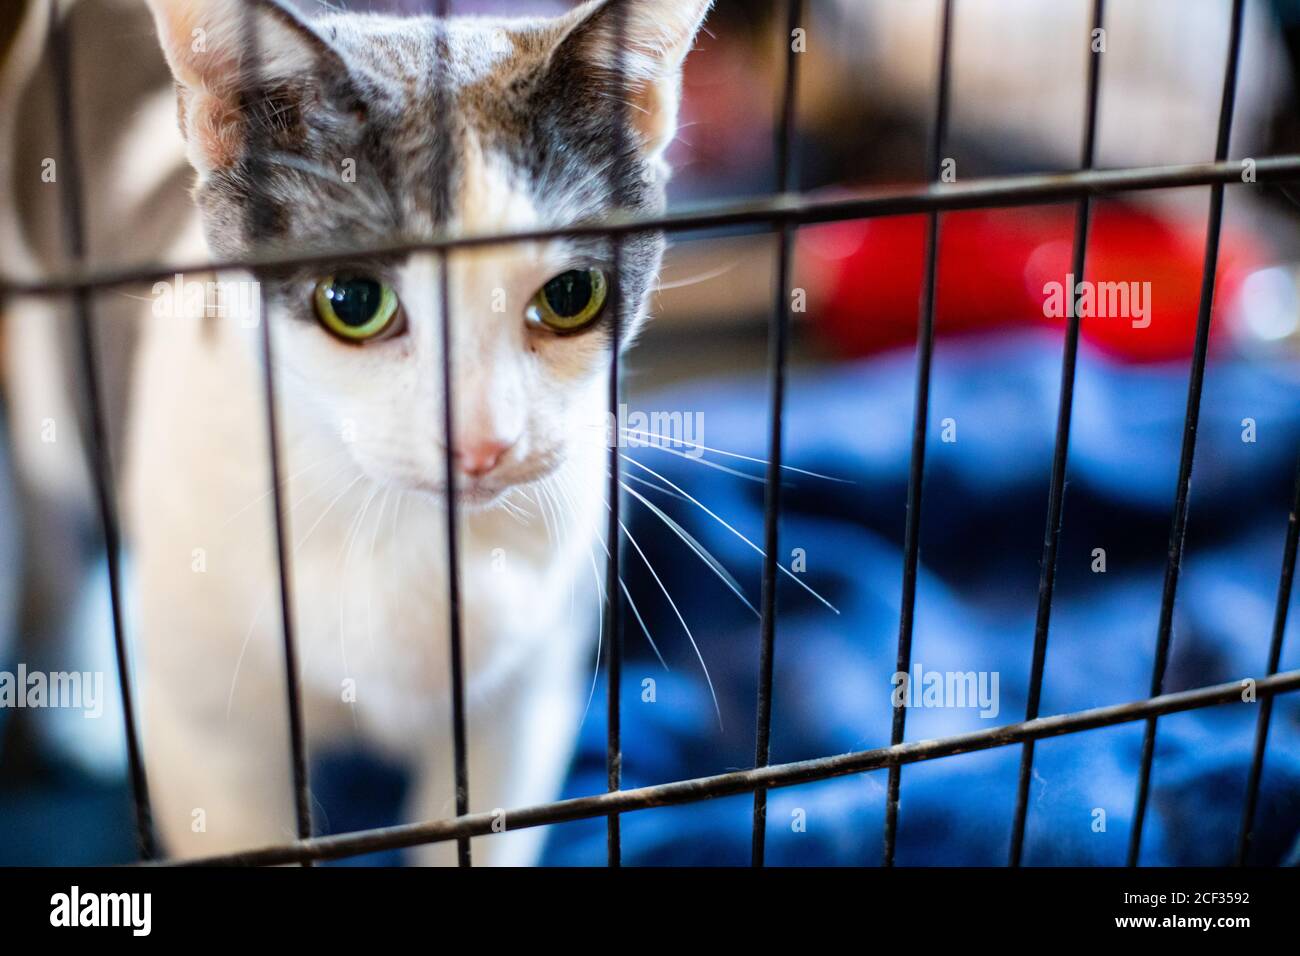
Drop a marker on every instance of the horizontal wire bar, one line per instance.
(747, 781)
(788, 209)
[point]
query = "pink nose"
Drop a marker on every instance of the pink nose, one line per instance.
(477, 458)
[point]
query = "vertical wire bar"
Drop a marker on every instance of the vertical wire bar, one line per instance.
(613, 625)
(1284, 586)
(778, 347)
(613, 606)
(257, 227)
(94, 431)
(460, 748)
(1060, 456)
(1195, 384)
(442, 101)
(920, 416)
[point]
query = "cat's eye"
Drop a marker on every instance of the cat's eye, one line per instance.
(356, 308)
(569, 302)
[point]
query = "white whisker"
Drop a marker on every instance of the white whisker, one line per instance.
(650, 484)
(600, 633)
(546, 519)
(728, 454)
(671, 603)
(327, 510)
(349, 541)
(632, 604)
(692, 543)
(370, 576)
(696, 279)
(512, 508)
(695, 501)
(239, 661)
(283, 483)
(709, 464)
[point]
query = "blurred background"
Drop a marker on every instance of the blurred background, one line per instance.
(866, 89)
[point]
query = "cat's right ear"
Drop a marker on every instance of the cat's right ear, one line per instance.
(633, 50)
(207, 48)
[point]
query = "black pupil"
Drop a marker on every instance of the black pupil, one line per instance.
(355, 300)
(569, 294)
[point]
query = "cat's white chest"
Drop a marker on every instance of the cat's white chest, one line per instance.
(372, 607)
(368, 564)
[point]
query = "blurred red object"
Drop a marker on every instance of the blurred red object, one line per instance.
(1008, 267)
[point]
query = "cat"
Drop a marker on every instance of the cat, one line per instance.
(370, 128)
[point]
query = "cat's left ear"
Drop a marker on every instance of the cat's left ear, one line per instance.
(206, 45)
(642, 44)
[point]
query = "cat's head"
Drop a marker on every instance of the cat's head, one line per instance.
(366, 128)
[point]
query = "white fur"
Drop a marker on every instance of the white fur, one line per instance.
(370, 584)
(362, 452)
(362, 438)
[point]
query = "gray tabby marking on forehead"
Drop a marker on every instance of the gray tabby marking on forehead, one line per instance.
(410, 103)
(359, 128)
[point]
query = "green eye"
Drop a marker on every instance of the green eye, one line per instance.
(569, 302)
(355, 307)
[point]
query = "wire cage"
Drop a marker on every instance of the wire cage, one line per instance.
(783, 212)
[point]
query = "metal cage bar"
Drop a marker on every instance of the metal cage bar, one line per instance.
(778, 347)
(745, 781)
(785, 212)
(443, 172)
(612, 624)
(1285, 582)
(256, 230)
(1196, 380)
(920, 423)
(613, 606)
(94, 430)
(459, 732)
(794, 209)
(1060, 453)
(456, 662)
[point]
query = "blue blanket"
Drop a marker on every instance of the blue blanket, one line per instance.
(984, 506)
(984, 503)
